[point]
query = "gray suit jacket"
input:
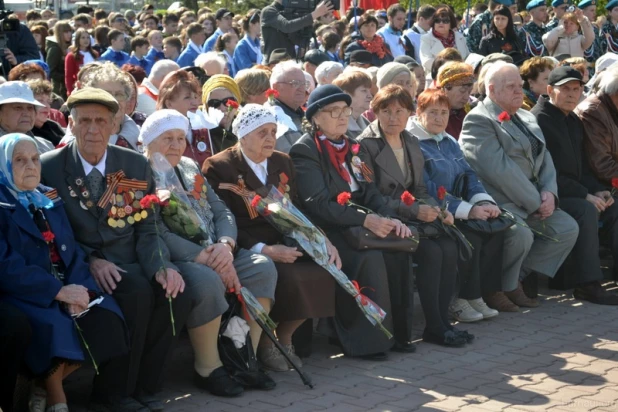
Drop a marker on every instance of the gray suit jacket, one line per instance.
(501, 155)
(135, 243)
(378, 155)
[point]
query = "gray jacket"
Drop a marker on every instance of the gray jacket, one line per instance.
(501, 155)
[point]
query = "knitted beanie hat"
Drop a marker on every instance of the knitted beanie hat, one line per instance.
(251, 117)
(217, 81)
(160, 122)
(387, 73)
(455, 74)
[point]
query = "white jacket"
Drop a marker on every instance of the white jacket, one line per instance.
(431, 46)
(558, 43)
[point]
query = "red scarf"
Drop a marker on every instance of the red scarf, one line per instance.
(337, 157)
(375, 46)
(448, 41)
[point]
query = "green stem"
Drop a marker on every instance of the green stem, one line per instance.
(81, 336)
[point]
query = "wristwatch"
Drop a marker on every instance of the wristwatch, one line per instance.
(227, 243)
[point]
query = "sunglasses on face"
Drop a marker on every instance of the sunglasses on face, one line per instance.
(443, 21)
(214, 103)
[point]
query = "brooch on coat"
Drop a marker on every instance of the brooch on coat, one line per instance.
(241, 190)
(361, 171)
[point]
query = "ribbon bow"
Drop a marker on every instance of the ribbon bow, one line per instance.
(364, 299)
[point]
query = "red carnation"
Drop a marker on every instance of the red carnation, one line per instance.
(231, 104)
(272, 93)
(615, 182)
(48, 236)
(256, 201)
(442, 192)
(149, 200)
(343, 198)
(355, 148)
(504, 117)
(407, 198)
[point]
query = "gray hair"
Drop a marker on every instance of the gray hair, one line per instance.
(281, 69)
(162, 68)
(608, 85)
(205, 58)
(480, 83)
(325, 70)
(493, 74)
(108, 72)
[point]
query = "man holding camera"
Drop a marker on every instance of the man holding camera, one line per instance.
(16, 45)
(278, 32)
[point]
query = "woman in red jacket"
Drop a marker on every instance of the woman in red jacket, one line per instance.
(80, 54)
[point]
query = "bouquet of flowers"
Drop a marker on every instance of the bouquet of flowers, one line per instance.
(176, 210)
(254, 309)
(286, 218)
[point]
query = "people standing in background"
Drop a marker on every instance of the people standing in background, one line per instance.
(195, 46)
(115, 52)
(172, 47)
(139, 50)
(224, 24)
(392, 32)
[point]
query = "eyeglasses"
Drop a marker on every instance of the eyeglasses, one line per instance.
(443, 21)
(337, 112)
(218, 102)
(296, 84)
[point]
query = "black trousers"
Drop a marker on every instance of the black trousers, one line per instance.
(586, 261)
(436, 278)
(147, 316)
(609, 232)
(482, 273)
(15, 336)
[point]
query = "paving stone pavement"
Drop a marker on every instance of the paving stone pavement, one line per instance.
(560, 357)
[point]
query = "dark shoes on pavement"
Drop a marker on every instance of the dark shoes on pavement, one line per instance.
(519, 298)
(407, 347)
(219, 383)
(499, 302)
(593, 292)
(450, 338)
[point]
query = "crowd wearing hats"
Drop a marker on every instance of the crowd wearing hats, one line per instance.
(160, 134)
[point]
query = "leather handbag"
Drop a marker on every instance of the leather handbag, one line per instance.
(361, 238)
(495, 225)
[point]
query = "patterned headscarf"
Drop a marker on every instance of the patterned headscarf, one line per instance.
(455, 74)
(25, 197)
(220, 80)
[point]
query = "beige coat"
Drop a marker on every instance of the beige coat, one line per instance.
(431, 46)
(558, 43)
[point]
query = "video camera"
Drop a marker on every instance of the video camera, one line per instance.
(294, 9)
(6, 26)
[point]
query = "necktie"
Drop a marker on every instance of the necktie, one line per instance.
(96, 184)
(534, 143)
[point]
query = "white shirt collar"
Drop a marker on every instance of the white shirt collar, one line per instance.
(255, 168)
(88, 167)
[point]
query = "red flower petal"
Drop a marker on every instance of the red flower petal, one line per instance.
(343, 198)
(256, 201)
(441, 193)
(615, 182)
(407, 198)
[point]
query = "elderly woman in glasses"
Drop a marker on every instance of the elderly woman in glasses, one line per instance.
(45, 275)
(304, 290)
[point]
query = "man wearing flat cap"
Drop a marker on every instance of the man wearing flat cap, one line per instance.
(102, 186)
(531, 33)
(582, 195)
(479, 28)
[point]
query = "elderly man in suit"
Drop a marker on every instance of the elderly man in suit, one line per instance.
(506, 148)
(102, 186)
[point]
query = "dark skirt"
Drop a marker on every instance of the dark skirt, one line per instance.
(356, 334)
(304, 290)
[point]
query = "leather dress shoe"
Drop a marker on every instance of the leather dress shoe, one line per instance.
(407, 347)
(593, 292)
(151, 402)
(519, 298)
(378, 356)
(116, 404)
(219, 383)
(499, 302)
(449, 339)
(258, 380)
(464, 334)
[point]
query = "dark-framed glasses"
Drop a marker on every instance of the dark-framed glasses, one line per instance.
(218, 102)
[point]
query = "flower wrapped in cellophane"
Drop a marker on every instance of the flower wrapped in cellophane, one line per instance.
(176, 210)
(255, 309)
(287, 219)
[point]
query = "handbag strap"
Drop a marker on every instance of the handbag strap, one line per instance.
(460, 186)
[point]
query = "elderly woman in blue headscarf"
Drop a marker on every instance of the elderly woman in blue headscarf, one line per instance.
(45, 275)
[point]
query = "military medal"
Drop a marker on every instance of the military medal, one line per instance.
(89, 204)
(111, 222)
(130, 220)
(72, 192)
(83, 205)
(128, 209)
(144, 214)
(121, 223)
(201, 146)
(137, 217)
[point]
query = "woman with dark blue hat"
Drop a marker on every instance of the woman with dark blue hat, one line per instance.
(327, 165)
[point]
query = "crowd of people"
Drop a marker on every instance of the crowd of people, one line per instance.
(487, 141)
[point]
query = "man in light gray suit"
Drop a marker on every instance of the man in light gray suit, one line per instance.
(506, 148)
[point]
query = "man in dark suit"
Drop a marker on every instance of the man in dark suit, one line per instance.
(582, 195)
(101, 186)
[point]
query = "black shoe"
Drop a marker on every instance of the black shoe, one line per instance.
(407, 347)
(464, 334)
(378, 356)
(116, 404)
(448, 338)
(259, 380)
(152, 403)
(219, 383)
(593, 292)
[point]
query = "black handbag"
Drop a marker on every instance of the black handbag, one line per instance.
(361, 238)
(495, 225)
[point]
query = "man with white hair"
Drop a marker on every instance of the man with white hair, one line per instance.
(289, 80)
(327, 72)
(212, 63)
(506, 148)
(148, 91)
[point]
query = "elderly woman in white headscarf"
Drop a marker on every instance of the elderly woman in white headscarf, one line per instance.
(304, 289)
(211, 263)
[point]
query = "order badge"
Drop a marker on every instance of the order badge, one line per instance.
(201, 146)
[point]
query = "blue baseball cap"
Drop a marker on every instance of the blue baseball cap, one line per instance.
(536, 3)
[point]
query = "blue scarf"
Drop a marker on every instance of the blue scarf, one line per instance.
(25, 197)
